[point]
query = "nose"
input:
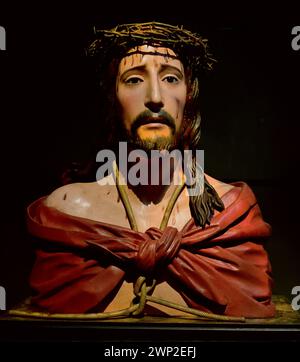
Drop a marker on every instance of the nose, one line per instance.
(153, 100)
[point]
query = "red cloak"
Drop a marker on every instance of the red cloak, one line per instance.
(223, 268)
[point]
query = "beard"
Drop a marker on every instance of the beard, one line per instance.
(148, 144)
(159, 143)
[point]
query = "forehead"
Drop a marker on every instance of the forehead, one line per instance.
(149, 55)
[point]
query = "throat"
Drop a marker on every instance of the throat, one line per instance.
(153, 179)
(145, 202)
(150, 194)
(152, 211)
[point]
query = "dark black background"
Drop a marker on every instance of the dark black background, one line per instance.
(50, 114)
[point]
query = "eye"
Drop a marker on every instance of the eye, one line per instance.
(170, 79)
(133, 80)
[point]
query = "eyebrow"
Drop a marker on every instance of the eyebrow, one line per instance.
(163, 67)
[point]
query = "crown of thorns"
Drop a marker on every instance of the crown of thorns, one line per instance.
(189, 47)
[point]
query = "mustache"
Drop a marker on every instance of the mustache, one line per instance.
(147, 117)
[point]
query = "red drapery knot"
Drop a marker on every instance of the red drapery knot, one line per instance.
(158, 249)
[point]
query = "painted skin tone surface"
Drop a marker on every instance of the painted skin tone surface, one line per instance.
(144, 82)
(151, 82)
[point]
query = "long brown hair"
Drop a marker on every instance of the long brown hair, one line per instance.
(107, 49)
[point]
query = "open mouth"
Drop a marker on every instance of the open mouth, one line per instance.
(155, 121)
(153, 125)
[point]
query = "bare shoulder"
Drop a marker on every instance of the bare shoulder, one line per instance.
(79, 199)
(66, 195)
(221, 187)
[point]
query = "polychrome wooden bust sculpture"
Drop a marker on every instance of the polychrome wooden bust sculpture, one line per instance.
(142, 238)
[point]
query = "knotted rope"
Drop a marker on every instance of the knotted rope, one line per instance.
(152, 252)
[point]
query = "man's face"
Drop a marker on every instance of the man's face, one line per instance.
(151, 91)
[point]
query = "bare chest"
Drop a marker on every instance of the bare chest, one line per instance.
(109, 208)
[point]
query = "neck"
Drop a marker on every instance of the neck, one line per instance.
(150, 194)
(150, 179)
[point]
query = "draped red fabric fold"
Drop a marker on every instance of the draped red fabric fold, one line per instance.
(223, 268)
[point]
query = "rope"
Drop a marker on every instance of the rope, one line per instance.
(144, 297)
(170, 206)
(124, 198)
(141, 289)
(106, 315)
